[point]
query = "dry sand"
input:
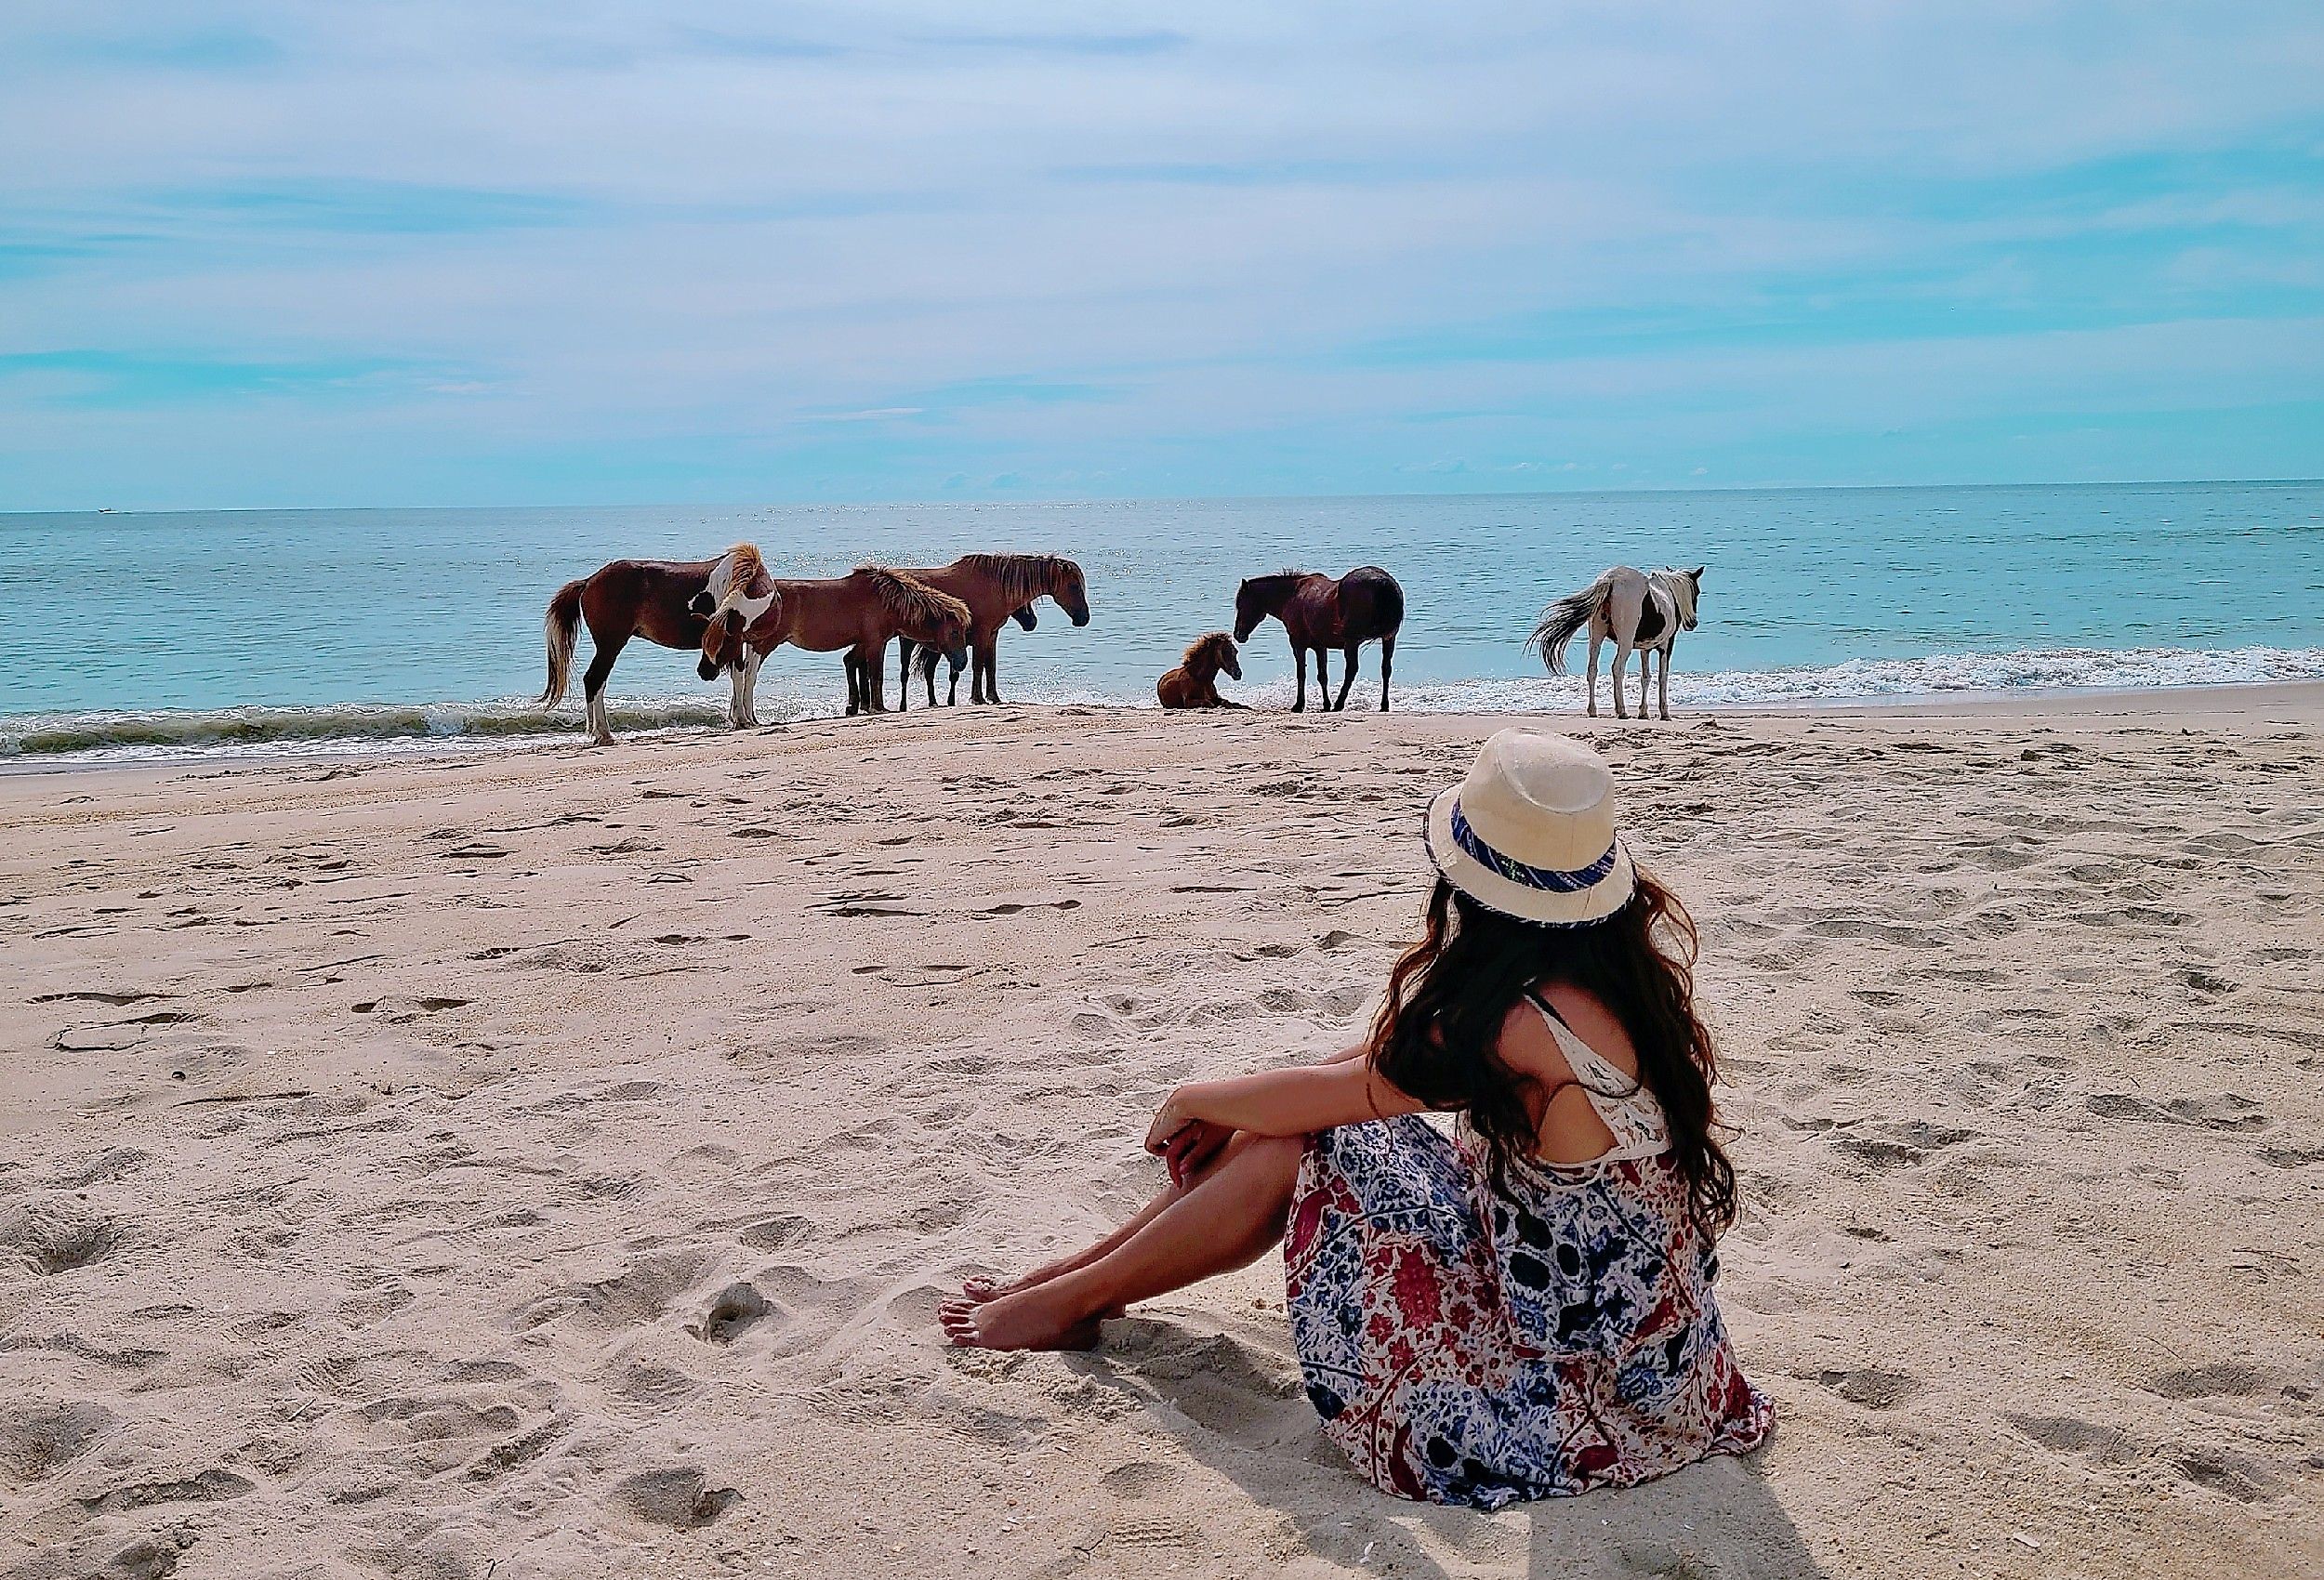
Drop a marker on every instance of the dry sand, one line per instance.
(548, 1166)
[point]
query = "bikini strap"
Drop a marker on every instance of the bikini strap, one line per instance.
(1597, 1073)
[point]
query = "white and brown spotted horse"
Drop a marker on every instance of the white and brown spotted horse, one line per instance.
(1645, 610)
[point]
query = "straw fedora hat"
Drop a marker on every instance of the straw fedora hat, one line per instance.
(1530, 832)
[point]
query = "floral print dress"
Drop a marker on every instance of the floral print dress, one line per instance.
(1474, 1346)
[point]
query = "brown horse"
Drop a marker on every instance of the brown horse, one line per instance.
(1194, 683)
(1321, 613)
(995, 586)
(926, 659)
(858, 613)
(624, 599)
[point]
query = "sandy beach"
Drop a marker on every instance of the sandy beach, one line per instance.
(549, 1164)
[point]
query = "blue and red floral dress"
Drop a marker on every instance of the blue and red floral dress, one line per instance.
(1474, 1345)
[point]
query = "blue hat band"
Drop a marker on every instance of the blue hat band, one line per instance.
(1550, 880)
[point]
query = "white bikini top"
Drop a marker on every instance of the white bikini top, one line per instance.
(1622, 1103)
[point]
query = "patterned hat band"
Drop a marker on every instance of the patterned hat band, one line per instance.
(1550, 879)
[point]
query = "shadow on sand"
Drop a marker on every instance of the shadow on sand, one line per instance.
(1234, 1403)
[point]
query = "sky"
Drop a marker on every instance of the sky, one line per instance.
(459, 252)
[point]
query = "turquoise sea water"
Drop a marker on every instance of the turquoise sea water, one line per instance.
(142, 635)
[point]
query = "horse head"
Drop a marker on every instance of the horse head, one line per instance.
(721, 645)
(1251, 606)
(1222, 649)
(1688, 587)
(1071, 591)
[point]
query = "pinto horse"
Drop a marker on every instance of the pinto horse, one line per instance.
(621, 599)
(998, 587)
(926, 659)
(1321, 613)
(858, 613)
(1645, 610)
(1194, 683)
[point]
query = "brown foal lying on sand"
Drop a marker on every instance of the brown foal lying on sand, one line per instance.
(1194, 683)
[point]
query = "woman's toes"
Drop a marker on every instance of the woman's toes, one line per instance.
(980, 1288)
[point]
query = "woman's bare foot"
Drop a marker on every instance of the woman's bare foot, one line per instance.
(1040, 1318)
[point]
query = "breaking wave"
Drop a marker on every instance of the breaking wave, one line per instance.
(369, 728)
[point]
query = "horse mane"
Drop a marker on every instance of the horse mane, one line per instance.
(1276, 580)
(1022, 577)
(1213, 646)
(740, 580)
(910, 599)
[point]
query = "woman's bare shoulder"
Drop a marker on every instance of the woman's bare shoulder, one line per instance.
(1588, 1018)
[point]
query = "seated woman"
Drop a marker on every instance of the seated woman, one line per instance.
(1522, 1308)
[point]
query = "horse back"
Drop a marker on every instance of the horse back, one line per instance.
(648, 597)
(1371, 604)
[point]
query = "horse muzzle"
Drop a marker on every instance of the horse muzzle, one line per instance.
(707, 670)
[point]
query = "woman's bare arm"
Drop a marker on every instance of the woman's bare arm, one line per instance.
(1284, 1102)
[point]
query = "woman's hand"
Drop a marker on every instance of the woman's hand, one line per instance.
(1168, 1120)
(1192, 1147)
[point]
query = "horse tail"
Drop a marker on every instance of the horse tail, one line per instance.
(1561, 620)
(562, 626)
(1388, 606)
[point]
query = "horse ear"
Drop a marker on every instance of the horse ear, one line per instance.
(1696, 575)
(733, 621)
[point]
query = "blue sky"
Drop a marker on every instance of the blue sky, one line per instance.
(276, 253)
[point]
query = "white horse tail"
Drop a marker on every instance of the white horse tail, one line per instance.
(1561, 620)
(562, 626)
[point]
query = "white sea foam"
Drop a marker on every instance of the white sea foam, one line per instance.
(369, 728)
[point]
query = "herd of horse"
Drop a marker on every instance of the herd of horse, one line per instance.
(732, 612)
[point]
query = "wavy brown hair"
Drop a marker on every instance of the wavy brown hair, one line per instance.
(1437, 1033)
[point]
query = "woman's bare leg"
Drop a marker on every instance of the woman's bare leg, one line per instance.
(992, 1289)
(1227, 1220)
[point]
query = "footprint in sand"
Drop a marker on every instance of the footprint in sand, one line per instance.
(733, 1312)
(1872, 1387)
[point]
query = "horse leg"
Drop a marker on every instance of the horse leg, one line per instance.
(1594, 674)
(854, 682)
(1347, 676)
(1323, 681)
(1646, 669)
(750, 686)
(992, 669)
(1622, 662)
(876, 666)
(952, 692)
(1387, 665)
(609, 646)
(904, 671)
(1665, 682)
(1299, 671)
(983, 683)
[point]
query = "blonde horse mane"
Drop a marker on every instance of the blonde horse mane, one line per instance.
(911, 599)
(739, 581)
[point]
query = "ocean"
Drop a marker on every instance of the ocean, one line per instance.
(166, 635)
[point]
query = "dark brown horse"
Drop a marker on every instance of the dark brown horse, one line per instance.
(624, 599)
(995, 586)
(926, 659)
(859, 613)
(1194, 683)
(1321, 613)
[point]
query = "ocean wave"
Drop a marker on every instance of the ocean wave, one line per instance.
(334, 727)
(2031, 669)
(353, 729)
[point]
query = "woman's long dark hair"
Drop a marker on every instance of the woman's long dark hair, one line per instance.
(1436, 1034)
